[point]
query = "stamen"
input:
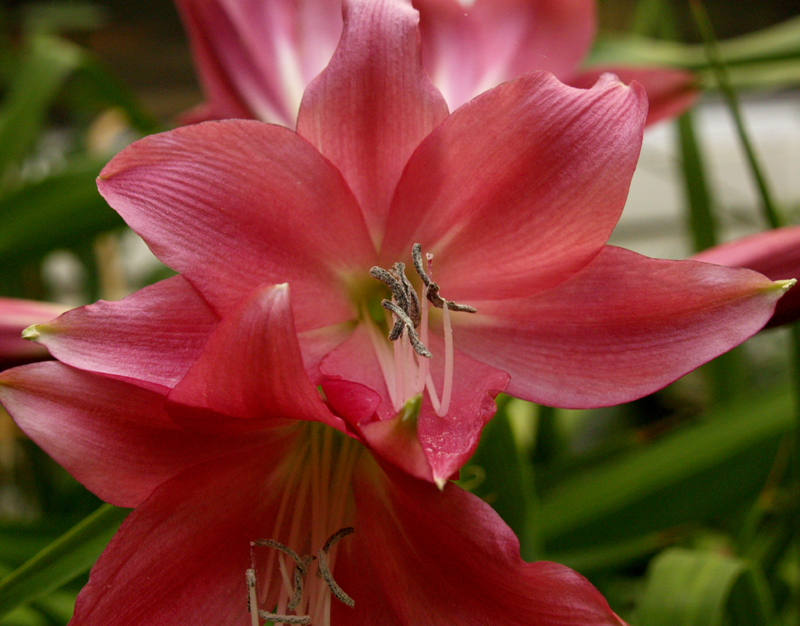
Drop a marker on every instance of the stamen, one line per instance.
(300, 568)
(411, 294)
(252, 604)
(284, 619)
(324, 569)
(409, 326)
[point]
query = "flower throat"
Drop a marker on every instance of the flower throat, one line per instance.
(408, 373)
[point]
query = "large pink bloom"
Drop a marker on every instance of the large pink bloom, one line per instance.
(212, 463)
(774, 253)
(255, 57)
(514, 194)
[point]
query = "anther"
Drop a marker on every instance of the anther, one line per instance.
(408, 325)
(324, 566)
(250, 577)
(432, 293)
(300, 568)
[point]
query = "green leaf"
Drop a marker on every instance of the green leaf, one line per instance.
(64, 559)
(702, 470)
(60, 211)
(698, 588)
(47, 63)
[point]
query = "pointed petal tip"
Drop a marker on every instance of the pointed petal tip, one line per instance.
(32, 332)
(786, 285)
(440, 482)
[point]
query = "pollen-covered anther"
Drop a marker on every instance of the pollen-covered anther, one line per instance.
(324, 566)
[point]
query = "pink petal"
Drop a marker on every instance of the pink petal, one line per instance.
(15, 316)
(447, 558)
(469, 49)
(234, 204)
(373, 104)
(449, 441)
(152, 336)
(181, 556)
(113, 437)
(446, 442)
(255, 58)
(519, 188)
(774, 253)
(622, 328)
(670, 92)
(251, 367)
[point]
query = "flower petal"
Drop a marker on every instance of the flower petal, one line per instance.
(373, 104)
(669, 92)
(252, 368)
(113, 437)
(152, 336)
(15, 316)
(524, 202)
(774, 253)
(255, 58)
(622, 328)
(447, 558)
(190, 541)
(234, 204)
(447, 442)
(469, 49)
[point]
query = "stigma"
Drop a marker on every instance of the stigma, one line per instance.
(407, 373)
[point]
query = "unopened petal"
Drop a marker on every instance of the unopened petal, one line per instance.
(622, 328)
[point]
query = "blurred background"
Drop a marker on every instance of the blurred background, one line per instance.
(679, 507)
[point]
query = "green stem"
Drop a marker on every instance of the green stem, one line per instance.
(702, 223)
(721, 74)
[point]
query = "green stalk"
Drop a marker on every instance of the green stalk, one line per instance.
(721, 74)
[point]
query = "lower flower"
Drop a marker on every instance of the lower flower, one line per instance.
(245, 487)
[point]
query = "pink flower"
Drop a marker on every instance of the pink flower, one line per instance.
(242, 451)
(15, 316)
(514, 194)
(255, 58)
(774, 253)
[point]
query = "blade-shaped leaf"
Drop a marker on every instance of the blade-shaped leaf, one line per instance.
(59, 211)
(700, 471)
(698, 588)
(69, 556)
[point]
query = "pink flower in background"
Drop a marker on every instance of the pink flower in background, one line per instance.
(774, 253)
(15, 316)
(514, 196)
(217, 443)
(255, 57)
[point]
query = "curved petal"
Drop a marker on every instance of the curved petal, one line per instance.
(470, 48)
(190, 540)
(251, 367)
(622, 328)
(254, 58)
(447, 558)
(669, 92)
(521, 203)
(113, 437)
(15, 316)
(152, 336)
(447, 442)
(234, 204)
(373, 104)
